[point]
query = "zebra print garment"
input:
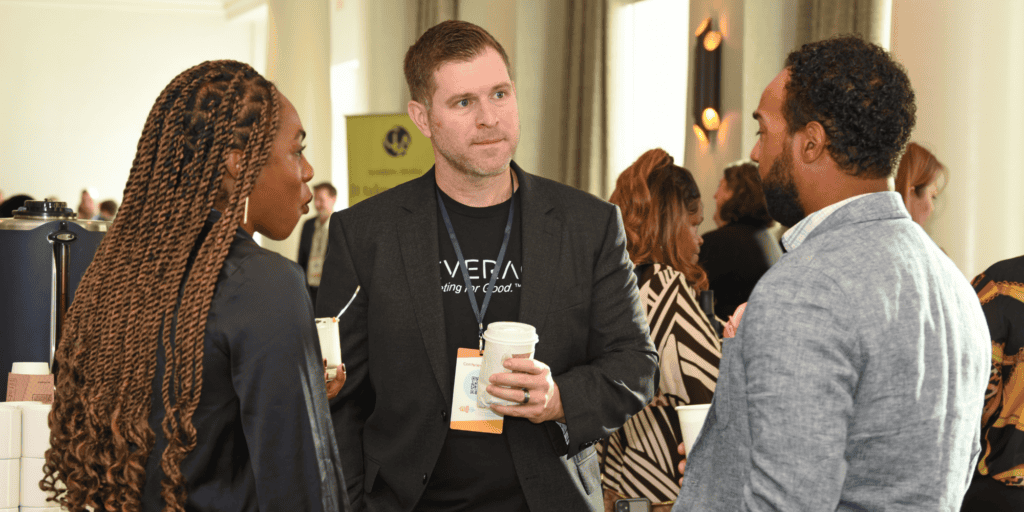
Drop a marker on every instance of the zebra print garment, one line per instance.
(640, 459)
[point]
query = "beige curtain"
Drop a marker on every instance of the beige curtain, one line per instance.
(820, 19)
(431, 12)
(584, 152)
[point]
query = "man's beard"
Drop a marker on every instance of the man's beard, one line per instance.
(780, 192)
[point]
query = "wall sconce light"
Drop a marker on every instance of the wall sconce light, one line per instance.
(707, 81)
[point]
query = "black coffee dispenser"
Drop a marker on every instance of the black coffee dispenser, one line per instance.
(44, 251)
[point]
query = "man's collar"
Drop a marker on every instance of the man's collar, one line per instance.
(799, 232)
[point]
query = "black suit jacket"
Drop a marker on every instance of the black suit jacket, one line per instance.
(580, 293)
(306, 243)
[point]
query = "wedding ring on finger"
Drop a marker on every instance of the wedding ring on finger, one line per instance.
(526, 396)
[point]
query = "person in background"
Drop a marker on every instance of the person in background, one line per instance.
(917, 180)
(742, 249)
(661, 211)
(108, 209)
(11, 204)
(525, 249)
(998, 484)
(313, 240)
(857, 375)
(190, 372)
(87, 206)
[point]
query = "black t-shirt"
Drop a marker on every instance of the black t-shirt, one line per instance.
(475, 470)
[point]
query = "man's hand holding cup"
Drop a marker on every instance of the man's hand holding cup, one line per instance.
(530, 384)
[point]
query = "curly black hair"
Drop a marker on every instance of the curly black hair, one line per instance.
(859, 95)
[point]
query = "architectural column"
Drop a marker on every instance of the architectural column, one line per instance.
(966, 64)
(299, 63)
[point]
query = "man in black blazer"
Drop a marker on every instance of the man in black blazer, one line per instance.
(313, 239)
(552, 256)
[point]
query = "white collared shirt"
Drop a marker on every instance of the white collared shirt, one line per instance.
(798, 233)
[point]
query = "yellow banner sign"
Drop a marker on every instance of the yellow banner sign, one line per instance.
(384, 151)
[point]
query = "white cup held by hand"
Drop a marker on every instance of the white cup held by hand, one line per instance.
(330, 341)
(691, 419)
(503, 340)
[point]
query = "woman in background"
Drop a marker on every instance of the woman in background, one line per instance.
(917, 179)
(742, 249)
(661, 210)
(190, 374)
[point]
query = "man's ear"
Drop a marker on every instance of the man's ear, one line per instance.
(234, 163)
(810, 142)
(418, 114)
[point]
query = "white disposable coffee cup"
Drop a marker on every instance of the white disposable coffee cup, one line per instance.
(503, 340)
(35, 429)
(10, 432)
(10, 483)
(691, 418)
(31, 368)
(330, 340)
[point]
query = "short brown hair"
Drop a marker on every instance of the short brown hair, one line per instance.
(747, 203)
(451, 40)
(333, 192)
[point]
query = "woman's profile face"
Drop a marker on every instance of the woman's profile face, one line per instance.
(723, 194)
(693, 222)
(281, 196)
(922, 205)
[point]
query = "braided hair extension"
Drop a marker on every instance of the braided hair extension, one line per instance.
(139, 295)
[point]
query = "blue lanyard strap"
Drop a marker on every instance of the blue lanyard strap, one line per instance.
(479, 312)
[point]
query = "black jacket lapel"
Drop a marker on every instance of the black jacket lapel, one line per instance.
(542, 245)
(418, 242)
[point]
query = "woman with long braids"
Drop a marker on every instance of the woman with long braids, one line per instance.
(661, 210)
(189, 373)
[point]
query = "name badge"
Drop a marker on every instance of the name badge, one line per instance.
(465, 413)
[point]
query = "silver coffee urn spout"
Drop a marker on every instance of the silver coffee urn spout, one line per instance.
(44, 251)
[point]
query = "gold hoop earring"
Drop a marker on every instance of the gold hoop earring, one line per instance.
(245, 215)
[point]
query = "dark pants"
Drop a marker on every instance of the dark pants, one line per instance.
(986, 494)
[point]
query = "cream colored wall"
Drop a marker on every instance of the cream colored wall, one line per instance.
(299, 63)
(707, 159)
(769, 33)
(78, 84)
(966, 63)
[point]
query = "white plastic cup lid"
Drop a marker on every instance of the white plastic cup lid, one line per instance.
(30, 368)
(511, 332)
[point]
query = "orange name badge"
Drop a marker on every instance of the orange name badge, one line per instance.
(466, 415)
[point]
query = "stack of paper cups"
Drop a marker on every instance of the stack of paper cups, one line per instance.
(35, 440)
(10, 456)
(30, 368)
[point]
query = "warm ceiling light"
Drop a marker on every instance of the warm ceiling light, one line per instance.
(701, 136)
(710, 119)
(704, 25)
(712, 40)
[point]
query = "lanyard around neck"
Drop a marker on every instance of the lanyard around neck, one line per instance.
(479, 311)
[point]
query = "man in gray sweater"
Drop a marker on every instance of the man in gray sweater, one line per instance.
(857, 376)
